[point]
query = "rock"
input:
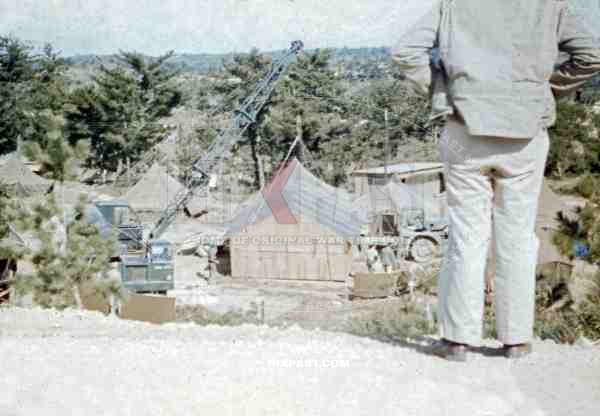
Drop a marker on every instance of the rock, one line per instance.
(584, 342)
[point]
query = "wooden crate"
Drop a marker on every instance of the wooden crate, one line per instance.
(377, 285)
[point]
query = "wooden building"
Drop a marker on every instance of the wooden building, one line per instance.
(400, 193)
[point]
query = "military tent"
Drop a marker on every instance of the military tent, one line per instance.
(15, 174)
(297, 228)
(155, 190)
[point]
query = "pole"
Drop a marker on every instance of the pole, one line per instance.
(386, 145)
(259, 162)
(300, 151)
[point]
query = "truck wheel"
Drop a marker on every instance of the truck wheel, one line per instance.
(424, 249)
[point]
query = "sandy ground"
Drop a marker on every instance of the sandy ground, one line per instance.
(82, 363)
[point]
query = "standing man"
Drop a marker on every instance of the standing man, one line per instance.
(495, 83)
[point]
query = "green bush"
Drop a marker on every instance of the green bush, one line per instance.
(559, 318)
(391, 319)
(203, 316)
(574, 145)
(587, 186)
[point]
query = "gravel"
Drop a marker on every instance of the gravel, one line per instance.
(83, 363)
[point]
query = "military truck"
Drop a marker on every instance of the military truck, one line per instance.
(151, 271)
(145, 265)
(120, 215)
(424, 243)
(409, 234)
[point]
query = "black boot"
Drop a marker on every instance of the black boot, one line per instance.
(450, 350)
(516, 350)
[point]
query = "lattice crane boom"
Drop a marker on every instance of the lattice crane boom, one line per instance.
(220, 148)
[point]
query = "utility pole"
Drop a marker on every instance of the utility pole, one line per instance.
(386, 146)
(300, 143)
(259, 162)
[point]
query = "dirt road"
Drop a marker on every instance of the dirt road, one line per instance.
(82, 363)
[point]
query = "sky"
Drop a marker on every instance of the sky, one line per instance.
(206, 26)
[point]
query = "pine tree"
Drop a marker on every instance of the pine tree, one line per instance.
(575, 141)
(55, 155)
(238, 80)
(10, 251)
(30, 84)
(155, 81)
(119, 115)
(190, 147)
(63, 267)
(308, 90)
(16, 70)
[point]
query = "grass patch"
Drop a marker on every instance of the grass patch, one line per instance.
(203, 316)
(392, 319)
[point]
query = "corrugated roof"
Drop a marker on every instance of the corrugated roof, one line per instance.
(303, 196)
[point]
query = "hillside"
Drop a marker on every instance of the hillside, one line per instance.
(204, 63)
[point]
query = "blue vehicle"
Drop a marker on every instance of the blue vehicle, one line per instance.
(146, 266)
(151, 272)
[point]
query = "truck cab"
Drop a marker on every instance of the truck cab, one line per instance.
(150, 271)
(120, 216)
(145, 266)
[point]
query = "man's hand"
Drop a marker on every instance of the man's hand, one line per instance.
(583, 51)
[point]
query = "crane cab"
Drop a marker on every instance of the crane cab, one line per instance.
(151, 271)
(120, 215)
(145, 266)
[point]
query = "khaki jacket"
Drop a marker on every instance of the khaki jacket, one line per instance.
(499, 61)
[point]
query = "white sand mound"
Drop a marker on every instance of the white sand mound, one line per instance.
(81, 363)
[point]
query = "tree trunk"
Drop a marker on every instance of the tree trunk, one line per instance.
(261, 171)
(119, 167)
(63, 247)
(113, 305)
(77, 296)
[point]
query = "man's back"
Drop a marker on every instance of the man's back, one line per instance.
(499, 60)
(497, 81)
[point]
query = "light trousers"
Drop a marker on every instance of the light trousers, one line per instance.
(492, 186)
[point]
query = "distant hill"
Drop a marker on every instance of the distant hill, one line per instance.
(204, 63)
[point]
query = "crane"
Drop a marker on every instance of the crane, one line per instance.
(220, 148)
(146, 264)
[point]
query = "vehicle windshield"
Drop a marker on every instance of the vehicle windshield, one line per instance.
(162, 253)
(121, 216)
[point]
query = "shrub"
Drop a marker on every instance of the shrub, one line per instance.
(203, 316)
(587, 186)
(392, 319)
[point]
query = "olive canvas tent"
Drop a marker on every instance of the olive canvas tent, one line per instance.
(297, 228)
(19, 178)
